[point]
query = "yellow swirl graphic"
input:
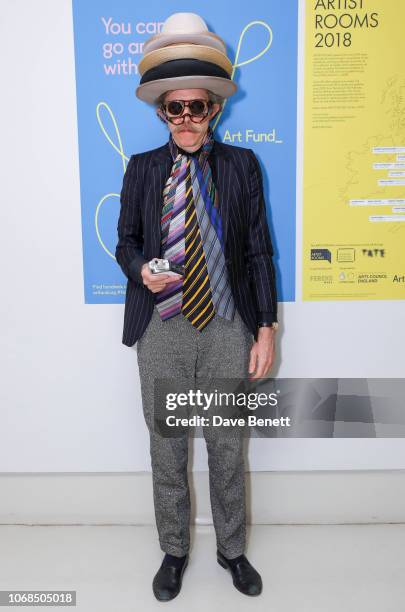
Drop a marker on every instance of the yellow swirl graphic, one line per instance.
(238, 64)
(124, 159)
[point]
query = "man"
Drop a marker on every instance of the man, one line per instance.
(198, 203)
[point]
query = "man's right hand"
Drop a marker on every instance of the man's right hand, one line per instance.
(157, 282)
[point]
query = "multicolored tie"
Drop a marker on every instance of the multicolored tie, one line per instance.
(197, 304)
(169, 300)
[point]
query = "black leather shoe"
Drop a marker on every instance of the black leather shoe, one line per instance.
(167, 582)
(245, 578)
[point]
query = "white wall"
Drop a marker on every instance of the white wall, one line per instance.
(70, 397)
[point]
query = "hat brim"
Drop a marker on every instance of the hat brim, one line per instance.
(150, 92)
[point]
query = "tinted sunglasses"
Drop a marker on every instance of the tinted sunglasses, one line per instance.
(199, 109)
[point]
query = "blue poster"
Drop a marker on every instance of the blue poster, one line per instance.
(261, 39)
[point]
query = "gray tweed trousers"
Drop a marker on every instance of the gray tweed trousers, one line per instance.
(174, 348)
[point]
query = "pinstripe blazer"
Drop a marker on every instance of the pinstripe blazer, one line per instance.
(248, 246)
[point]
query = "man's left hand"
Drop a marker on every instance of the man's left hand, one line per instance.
(262, 353)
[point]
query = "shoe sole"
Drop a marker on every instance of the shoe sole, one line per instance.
(225, 566)
(180, 584)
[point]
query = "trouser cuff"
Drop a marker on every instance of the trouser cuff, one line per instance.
(172, 549)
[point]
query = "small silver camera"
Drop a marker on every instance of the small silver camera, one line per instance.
(165, 266)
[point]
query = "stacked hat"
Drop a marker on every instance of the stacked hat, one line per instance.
(184, 55)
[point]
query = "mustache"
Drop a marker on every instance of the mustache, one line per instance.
(186, 129)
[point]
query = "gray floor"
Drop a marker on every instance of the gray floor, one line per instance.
(306, 568)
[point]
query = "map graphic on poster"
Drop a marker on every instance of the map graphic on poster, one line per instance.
(354, 151)
(113, 124)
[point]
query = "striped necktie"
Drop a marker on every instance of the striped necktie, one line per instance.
(168, 300)
(197, 304)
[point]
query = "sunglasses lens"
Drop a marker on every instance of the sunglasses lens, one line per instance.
(174, 108)
(197, 107)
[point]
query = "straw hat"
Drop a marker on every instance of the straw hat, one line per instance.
(184, 55)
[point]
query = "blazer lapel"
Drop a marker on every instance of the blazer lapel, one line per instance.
(223, 181)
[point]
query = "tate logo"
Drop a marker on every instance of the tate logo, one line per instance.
(373, 252)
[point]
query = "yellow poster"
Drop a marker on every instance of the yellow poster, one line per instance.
(354, 150)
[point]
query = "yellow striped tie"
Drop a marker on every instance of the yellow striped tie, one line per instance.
(197, 303)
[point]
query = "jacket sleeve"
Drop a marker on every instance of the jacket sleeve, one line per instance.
(259, 248)
(128, 252)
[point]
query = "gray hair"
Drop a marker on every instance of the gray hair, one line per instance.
(214, 98)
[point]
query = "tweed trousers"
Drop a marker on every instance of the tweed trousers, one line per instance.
(174, 348)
